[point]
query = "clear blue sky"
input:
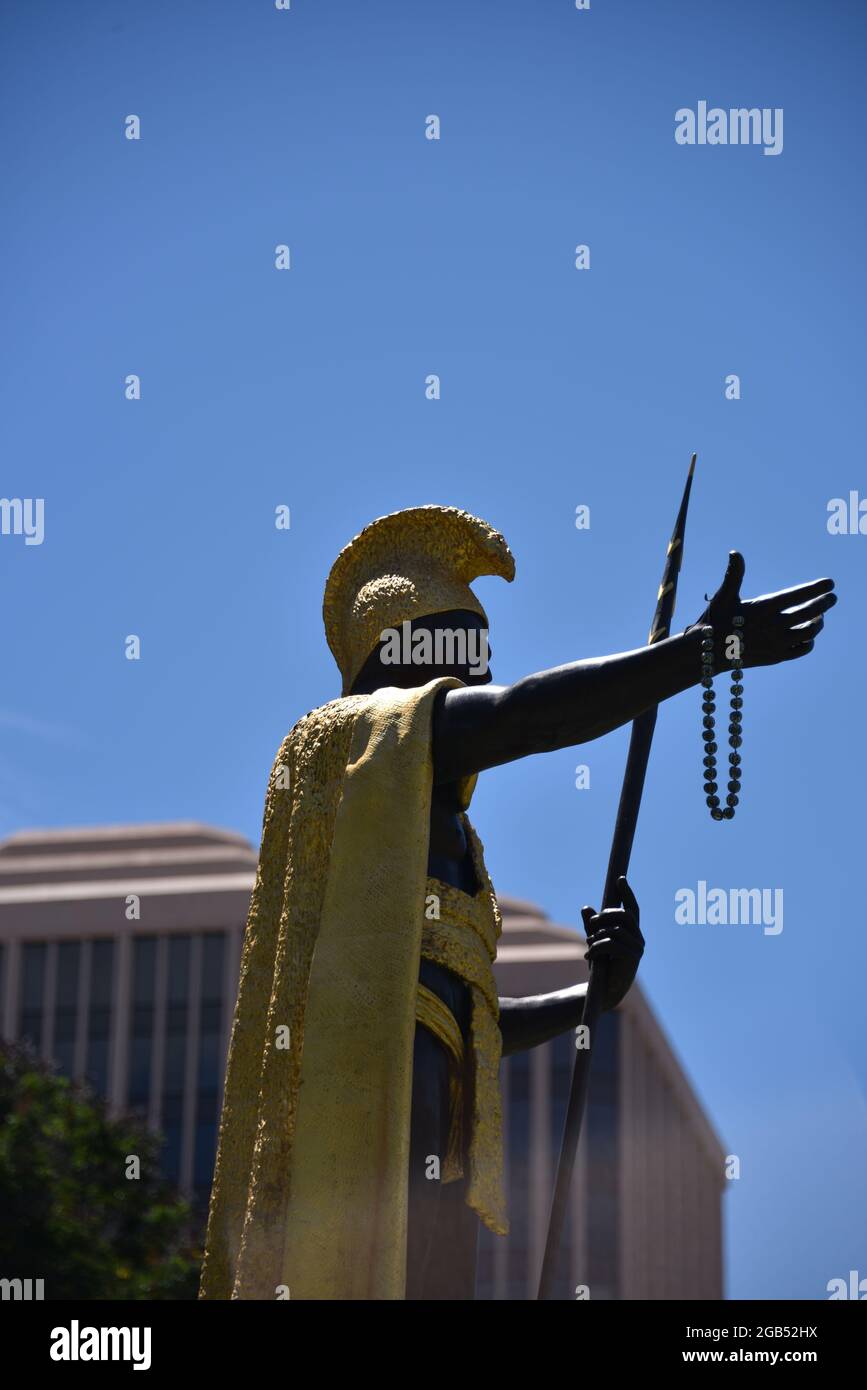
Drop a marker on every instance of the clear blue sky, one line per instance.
(306, 388)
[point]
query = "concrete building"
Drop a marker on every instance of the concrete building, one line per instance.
(119, 959)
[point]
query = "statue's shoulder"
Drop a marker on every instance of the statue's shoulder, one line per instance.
(333, 724)
(324, 722)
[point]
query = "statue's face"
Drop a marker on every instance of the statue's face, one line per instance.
(444, 644)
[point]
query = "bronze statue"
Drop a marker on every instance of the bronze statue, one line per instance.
(360, 1139)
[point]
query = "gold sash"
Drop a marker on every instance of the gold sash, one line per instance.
(460, 932)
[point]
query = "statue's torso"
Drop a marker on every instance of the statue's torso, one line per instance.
(450, 860)
(449, 856)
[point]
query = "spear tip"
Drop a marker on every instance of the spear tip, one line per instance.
(692, 464)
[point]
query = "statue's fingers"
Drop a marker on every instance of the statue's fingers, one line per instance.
(629, 932)
(800, 632)
(587, 915)
(621, 925)
(810, 610)
(730, 588)
(788, 598)
(613, 919)
(610, 944)
(627, 897)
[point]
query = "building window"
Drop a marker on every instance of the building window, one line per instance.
(66, 1005)
(32, 993)
(99, 1015)
(141, 1035)
(177, 1003)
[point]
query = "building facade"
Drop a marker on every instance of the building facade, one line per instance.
(119, 958)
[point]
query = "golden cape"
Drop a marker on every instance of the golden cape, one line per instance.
(310, 1186)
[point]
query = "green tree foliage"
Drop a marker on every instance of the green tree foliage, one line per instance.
(71, 1216)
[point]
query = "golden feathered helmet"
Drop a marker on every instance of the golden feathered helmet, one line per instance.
(407, 565)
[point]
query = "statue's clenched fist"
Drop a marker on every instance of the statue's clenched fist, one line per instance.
(614, 935)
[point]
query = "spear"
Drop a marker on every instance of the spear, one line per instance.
(618, 863)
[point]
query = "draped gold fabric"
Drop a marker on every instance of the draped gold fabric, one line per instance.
(437, 1017)
(310, 1186)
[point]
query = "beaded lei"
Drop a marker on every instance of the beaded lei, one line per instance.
(711, 786)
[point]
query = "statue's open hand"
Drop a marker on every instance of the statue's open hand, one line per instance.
(776, 627)
(614, 935)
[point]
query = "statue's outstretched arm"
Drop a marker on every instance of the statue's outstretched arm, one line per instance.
(477, 727)
(481, 726)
